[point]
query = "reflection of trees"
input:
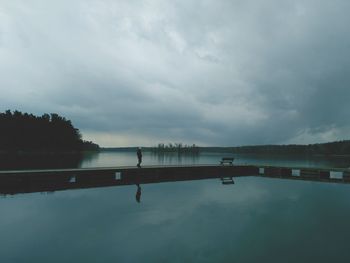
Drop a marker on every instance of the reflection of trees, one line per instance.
(88, 157)
(175, 157)
(16, 161)
(26, 132)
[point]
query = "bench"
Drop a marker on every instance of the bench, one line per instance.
(226, 160)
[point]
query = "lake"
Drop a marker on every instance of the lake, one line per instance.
(106, 159)
(255, 220)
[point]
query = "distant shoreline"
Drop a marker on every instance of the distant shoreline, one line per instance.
(336, 149)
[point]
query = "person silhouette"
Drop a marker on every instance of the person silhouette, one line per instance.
(138, 193)
(139, 157)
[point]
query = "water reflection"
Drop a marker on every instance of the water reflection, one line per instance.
(108, 159)
(19, 161)
(14, 182)
(256, 220)
(138, 193)
(175, 157)
(116, 158)
(260, 220)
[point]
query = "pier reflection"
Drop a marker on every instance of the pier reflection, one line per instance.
(15, 182)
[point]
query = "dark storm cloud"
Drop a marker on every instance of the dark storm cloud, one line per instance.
(208, 72)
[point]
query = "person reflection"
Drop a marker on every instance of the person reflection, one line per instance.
(138, 193)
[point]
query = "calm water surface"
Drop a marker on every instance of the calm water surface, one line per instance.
(106, 159)
(254, 220)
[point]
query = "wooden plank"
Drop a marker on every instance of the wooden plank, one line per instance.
(54, 180)
(12, 182)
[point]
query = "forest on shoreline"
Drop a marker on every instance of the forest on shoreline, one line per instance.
(52, 133)
(330, 148)
(23, 132)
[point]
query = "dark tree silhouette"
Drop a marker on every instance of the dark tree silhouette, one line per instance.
(176, 147)
(26, 132)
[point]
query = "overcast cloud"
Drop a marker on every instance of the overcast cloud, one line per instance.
(209, 72)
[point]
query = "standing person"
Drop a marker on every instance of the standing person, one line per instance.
(139, 157)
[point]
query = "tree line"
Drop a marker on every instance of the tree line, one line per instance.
(49, 132)
(330, 148)
(175, 147)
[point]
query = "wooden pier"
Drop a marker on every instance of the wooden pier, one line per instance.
(329, 175)
(28, 181)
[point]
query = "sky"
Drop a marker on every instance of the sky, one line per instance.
(209, 72)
